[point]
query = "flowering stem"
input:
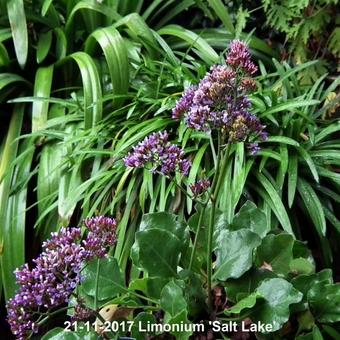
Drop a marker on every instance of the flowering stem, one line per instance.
(216, 186)
(96, 285)
(50, 314)
(200, 220)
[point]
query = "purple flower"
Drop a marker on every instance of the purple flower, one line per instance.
(81, 312)
(200, 187)
(253, 148)
(56, 272)
(101, 235)
(184, 103)
(158, 153)
(220, 100)
(239, 57)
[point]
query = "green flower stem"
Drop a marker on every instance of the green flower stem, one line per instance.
(50, 314)
(200, 220)
(216, 186)
(96, 286)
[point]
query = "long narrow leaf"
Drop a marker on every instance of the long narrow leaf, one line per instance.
(17, 20)
(12, 255)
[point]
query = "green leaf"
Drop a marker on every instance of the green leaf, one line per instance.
(194, 170)
(46, 5)
(237, 289)
(309, 161)
(11, 239)
(245, 303)
(17, 20)
(194, 293)
(49, 173)
(174, 304)
(288, 105)
(277, 205)
(93, 105)
(313, 205)
(279, 294)
(172, 298)
(292, 178)
(8, 78)
(205, 50)
(42, 88)
(241, 21)
(301, 266)
(281, 139)
(180, 318)
(304, 283)
(150, 254)
(114, 48)
(151, 286)
(44, 45)
(142, 320)
(277, 251)
(234, 253)
(250, 217)
(61, 43)
(324, 299)
(110, 279)
(166, 221)
(222, 12)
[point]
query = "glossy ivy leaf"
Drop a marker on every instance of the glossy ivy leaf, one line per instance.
(304, 283)
(166, 221)
(250, 217)
(300, 249)
(237, 289)
(109, 279)
(270, 302)
(234, 253)
(306, 320)
(277, 251)
(150, 254)
(151, 286)
(194, 293)
(174, 304)
(61, 334)
(301, 266)
(157, 252)
(279, 294)
(172, 298)
(178, 319)
(324, 300)
(246, 303)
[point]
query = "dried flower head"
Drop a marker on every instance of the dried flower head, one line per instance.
(220, 100)
(239, 57)
(158, 153)
(200, 187)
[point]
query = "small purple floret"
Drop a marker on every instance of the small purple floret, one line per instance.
(158, 153)
(200, 187)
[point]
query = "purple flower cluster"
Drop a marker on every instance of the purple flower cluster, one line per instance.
(220, 100)
(158, 153)
(81, 312)
(56, 273)
(239, 57)
(200, 187)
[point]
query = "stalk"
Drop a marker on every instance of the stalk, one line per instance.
(216, 186)
(196, 236)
